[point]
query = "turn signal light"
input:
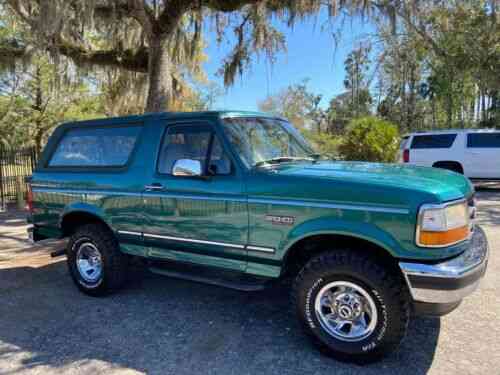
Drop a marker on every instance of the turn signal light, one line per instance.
(451, 236)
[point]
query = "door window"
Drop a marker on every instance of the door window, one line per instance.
(219, 162)
(483, 140)
(196, 143)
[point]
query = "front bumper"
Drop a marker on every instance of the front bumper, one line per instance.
(443, 285)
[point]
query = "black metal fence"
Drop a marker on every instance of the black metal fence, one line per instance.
(15, 166)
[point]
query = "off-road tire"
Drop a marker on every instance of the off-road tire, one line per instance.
(114, 262)
(386, 288)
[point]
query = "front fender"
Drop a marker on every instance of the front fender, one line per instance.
(336, 226)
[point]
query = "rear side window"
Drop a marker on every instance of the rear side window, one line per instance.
(403, 143)
(433, 141)
(483, 140)
(95, 147)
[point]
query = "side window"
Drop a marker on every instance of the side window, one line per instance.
(219, 161)
(95, 147)
(403, 143)
(196, 143)
(183, 143)
(433, 141)
(483, 140)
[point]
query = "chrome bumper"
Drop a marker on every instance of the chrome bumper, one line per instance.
(449, 281)
(31, 233)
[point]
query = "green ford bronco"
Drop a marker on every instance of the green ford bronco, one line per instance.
(239, 199)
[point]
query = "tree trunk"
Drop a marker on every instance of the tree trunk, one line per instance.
(449, 110)
(433, 106)
(38, 138)
(160, 76)
(483, 106)
(412, 99)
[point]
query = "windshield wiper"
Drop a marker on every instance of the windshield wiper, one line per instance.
(315, 156)
(318, 157)
(282, 159)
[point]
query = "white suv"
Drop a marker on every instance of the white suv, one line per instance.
(472, 152)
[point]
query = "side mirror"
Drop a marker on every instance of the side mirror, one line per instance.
(187, 168)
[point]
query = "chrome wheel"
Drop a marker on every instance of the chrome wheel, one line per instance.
(89, 262)
(346, 311)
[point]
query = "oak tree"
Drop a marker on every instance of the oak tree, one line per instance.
(161, 37)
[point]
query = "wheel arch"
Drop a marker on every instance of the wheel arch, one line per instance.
(78, 215)
(456, 166)
(362, 237)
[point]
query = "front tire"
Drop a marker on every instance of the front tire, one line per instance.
(95, 262)
(352, 307)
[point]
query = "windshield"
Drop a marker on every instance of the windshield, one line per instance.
(265, 140)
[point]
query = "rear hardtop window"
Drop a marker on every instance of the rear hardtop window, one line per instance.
(404, 141)
(95, 146)
(483, 140)
(433, 141)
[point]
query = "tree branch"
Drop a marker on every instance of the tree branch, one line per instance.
(136, 61)
(403, 14)
(228, 6)
(171, 15)
(423, 34)
(21, 11)
(11, 50)
(143, 14)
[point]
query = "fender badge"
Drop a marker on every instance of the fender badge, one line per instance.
(280, 220)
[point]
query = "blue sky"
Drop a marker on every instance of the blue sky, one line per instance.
(311, 53)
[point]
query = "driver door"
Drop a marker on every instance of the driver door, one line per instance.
(196, 219)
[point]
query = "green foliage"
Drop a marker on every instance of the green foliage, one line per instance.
(356, 82)
(442, 67)
(370, 139)
(324, 143)
(295, 103)
(37, 97)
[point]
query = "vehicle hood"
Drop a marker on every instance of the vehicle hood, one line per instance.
(442, 184)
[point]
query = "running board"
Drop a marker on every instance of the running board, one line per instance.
(212, 276)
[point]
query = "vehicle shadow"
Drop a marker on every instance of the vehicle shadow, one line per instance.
(162, 325)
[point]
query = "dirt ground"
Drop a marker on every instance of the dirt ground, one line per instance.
(166, 326)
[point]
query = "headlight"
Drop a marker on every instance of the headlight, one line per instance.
(443, 225)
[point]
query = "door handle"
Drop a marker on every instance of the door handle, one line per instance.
(155, 186)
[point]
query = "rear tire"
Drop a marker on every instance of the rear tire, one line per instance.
(353, 308)
(95, 262)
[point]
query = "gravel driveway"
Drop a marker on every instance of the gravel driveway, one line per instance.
(165, 326)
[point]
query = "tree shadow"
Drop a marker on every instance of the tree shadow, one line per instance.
(162, 325)
(488, 207)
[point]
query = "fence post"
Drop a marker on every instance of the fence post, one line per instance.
(33, 158)
(19, 192)
(2, 192)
